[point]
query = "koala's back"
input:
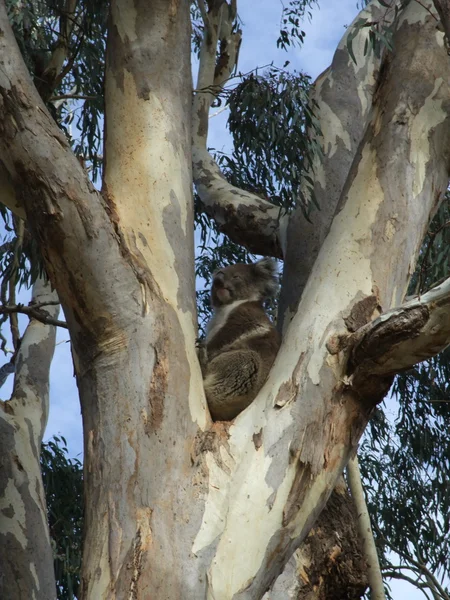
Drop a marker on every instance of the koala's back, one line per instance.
(241, 345)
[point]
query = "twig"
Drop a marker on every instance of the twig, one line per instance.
(204, 13)
(34, 312)
(71, 97)
(417, 584)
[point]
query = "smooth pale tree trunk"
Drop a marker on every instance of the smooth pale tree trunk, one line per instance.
(26, 560)
(178, 507)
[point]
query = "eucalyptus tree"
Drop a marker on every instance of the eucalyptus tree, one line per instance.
(176, 505)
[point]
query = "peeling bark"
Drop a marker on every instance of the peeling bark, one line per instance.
(8, 196)
(400, 338)
(26, 560)
(330, 564)
(394, 185)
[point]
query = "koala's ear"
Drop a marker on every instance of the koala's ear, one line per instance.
(266, 266)
(266, 269)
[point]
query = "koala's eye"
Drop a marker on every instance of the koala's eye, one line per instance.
(236, 278)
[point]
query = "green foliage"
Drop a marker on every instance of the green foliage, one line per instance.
(434, 260)
(63, 484)
(197, 28)
(75, 95)
(292, 15)
(274, 133)
(380, 31)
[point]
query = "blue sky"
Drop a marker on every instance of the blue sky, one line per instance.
(260, 31)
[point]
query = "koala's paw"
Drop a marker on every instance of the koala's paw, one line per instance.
(202, 353)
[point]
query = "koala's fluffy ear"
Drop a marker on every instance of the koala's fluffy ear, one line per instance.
(266, 268)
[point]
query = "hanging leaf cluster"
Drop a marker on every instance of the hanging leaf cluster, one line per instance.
(293, 14)
(379, 31)
(275, 137)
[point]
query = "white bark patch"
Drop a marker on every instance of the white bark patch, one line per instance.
(246, 514)
(34, 574)
(430, 115)
(101, 582)
(344, 266)
(126, 21)
(390, 229)
(214, 516)
(157, 179)
(332, 127)
(238, 502)
(141, 206)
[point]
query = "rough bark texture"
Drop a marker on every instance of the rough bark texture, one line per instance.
(26, 560)
(394, 185)
(330, 564)
(401, 337)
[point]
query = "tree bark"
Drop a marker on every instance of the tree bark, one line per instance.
(26, 560)
(178, 507)
(330, 564)
(343, 94)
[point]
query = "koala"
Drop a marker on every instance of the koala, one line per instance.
(241, 342)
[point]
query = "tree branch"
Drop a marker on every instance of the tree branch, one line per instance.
(23, 419)
(34, 312)
(51, 76)
(8, 195)
(307, 418)
(344, 113)
(401, 337)
(246, 218)
(365, 531)
(443, 10)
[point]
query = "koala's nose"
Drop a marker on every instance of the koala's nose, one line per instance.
(218, 280)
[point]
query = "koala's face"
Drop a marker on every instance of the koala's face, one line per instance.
(244, 282)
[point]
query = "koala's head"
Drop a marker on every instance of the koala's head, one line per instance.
(257, 281)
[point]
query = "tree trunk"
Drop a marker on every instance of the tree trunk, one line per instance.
(176, 506)
(26, 560)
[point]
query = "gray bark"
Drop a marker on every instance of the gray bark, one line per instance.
(26, 560)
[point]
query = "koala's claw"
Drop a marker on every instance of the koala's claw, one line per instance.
(200, 342)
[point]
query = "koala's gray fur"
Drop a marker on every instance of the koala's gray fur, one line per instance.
(241, 342)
